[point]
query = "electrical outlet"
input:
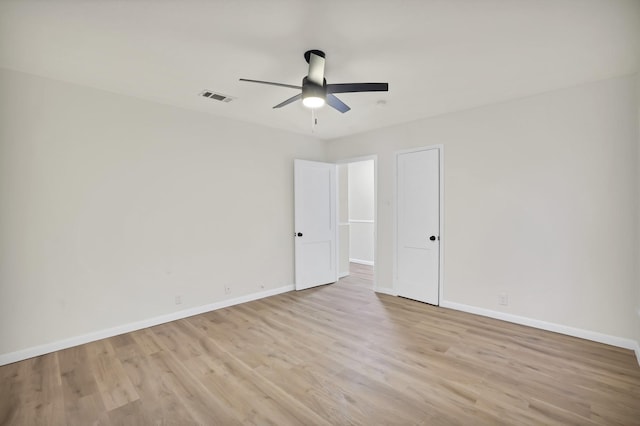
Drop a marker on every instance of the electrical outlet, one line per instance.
(178, 300)
(503, 299)
(227, 289)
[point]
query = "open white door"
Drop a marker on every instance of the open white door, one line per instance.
(418, 225)
(315, 223)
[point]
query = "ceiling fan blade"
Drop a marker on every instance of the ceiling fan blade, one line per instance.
(357, 87)
(316, 69)
(272, 84)
(336, 103)
(288, 101)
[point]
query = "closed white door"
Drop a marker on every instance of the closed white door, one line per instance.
(418, 225)
(315, 223)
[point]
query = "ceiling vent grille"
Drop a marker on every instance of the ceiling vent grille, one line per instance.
(216, 96)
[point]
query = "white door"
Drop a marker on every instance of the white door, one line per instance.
(315, 223)
(418, 225)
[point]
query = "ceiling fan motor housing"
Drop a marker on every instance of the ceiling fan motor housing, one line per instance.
(312, 90)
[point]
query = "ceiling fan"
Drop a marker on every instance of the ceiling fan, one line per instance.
(315, 91)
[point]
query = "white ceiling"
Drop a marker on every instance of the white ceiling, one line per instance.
(438, 56)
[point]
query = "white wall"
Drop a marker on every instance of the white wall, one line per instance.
(540, 202)
(361, 211)
(111, 206)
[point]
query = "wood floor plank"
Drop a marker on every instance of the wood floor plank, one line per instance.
(114, 385)
(31, 392)
(82, 401)
(337, 354)
(158, 403)
(203, 406)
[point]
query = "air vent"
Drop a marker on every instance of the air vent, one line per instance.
(216, 96)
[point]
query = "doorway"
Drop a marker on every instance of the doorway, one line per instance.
(357, 214)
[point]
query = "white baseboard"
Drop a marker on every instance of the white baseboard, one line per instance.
(361, 262)
(343, 274)
(544, 325)
(23, 354)
(386, 290)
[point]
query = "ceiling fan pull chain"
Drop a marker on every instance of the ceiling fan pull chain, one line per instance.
(314, 120)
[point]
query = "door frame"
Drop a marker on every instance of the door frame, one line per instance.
(440, 148)
(373, 157)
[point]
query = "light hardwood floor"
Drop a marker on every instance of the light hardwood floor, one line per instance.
(338, 354)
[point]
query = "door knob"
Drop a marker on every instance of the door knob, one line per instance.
(432, 238)
(299, 234)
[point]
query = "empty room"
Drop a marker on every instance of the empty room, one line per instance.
(299, 212)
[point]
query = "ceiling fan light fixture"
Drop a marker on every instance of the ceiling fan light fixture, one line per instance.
(313, 101)
(313, 95)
